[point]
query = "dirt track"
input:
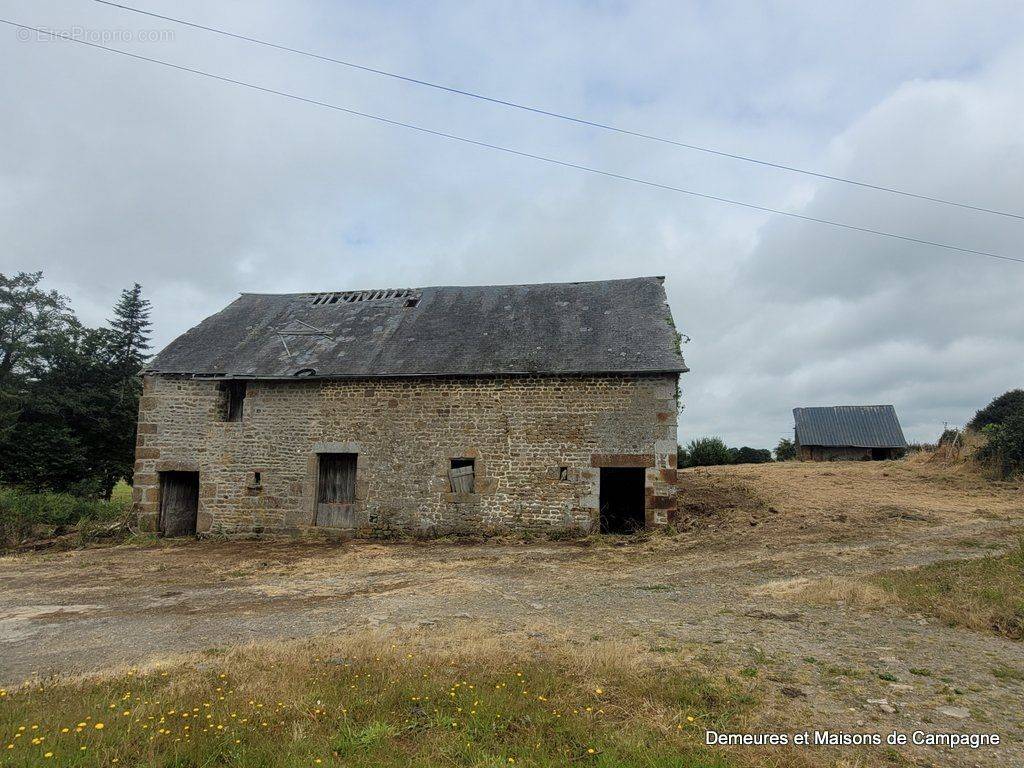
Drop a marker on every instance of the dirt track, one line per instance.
(704, 595)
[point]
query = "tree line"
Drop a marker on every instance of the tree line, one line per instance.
(69, 394)
(712, 451)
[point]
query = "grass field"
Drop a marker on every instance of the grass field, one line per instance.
(370, 703)
(985, 593)
(25, 515)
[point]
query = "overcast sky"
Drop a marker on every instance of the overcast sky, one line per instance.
(115, 170)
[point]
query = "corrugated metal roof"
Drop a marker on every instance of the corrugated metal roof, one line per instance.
(609, 326)
(859, 426)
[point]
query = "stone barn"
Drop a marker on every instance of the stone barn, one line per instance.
(848, 432)
(543, 407)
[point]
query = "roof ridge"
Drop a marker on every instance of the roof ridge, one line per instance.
(440, 287)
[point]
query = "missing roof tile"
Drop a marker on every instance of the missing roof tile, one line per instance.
(352, 297)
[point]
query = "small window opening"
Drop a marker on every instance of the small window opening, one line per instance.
(257, 478)
(410, 303)
(563, 474)
(234, 393)
(462, 475)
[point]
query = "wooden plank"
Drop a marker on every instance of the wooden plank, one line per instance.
(337, 478)
(179, 503)
(462, 479)
(336, 515)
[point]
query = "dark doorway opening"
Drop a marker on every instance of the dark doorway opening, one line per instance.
(880, 454)
(622, 499)
(179, 503)
(336, 490)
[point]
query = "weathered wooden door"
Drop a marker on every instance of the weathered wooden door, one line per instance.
(179, 503)
(461, 477)
(336, 491)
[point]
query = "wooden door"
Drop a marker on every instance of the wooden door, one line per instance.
(179, 503)
(336, 490)
(462, 477)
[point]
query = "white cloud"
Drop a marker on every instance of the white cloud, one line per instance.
(116, 170)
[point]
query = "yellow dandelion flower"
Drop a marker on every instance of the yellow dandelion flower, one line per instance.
(590, 750)
(99, 726)
(48, 754)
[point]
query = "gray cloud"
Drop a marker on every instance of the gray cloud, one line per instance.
(114, 171)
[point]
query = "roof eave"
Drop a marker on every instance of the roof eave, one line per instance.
(434, 375)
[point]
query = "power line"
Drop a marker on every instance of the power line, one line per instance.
(561, 116)
(518, 153)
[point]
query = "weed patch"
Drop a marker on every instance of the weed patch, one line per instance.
(371, 704)
(986, 593)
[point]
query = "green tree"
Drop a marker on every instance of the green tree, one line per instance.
(71, 393)
(746, 455)
(785, 450)
(129, 335)
(128, 345)
(1002, 422)
(65, 425)
(29, 319)
(999, 410)
(682, 457)
(708, 451)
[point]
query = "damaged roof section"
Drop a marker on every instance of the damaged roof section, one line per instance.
(611, 326)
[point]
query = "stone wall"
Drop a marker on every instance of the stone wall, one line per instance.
(833, 453)
(520, 430)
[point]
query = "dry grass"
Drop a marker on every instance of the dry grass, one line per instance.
(379, 700)
(852, 592)
(800, 500)
(985, 593)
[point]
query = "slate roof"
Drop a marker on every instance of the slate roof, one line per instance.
(858, 426)
(611, 326)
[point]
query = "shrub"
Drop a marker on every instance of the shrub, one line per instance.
(682, 457)
(747, 455)
(1005, 447)
(999, 410)
(785, 450)
(707, 452)
(950, 437)
(23, 513)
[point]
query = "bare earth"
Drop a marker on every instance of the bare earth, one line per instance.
(715, 594)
